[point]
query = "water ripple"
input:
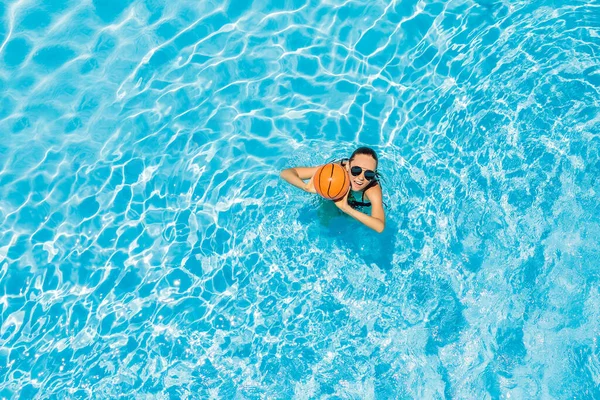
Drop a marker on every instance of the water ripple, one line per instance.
(148, 247)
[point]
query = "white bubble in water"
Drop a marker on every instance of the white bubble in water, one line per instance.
(177, 282)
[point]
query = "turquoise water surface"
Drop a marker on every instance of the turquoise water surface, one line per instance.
(149, 249)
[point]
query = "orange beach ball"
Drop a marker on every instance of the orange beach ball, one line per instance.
(332, 181)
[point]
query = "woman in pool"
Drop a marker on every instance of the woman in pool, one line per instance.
(362, 168)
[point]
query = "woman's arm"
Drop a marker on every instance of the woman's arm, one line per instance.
(376, 220)
(296, 177)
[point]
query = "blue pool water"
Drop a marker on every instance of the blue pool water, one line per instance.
(149, 249)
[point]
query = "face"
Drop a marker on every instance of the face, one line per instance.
(366, 162)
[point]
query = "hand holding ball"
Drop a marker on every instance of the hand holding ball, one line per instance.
(332, 181)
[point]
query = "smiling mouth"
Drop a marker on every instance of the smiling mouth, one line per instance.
(358, 184)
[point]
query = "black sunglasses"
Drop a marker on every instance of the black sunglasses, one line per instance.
(369, 175)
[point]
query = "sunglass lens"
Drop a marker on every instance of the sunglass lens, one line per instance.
(355, 171)
(370, 175)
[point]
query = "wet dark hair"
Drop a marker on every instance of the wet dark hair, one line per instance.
(367, 151)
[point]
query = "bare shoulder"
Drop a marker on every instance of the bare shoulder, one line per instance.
(376, 198)
(374, 194)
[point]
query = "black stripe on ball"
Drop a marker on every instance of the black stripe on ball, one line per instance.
(319, 181)
(344, 184)
(330, 176)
